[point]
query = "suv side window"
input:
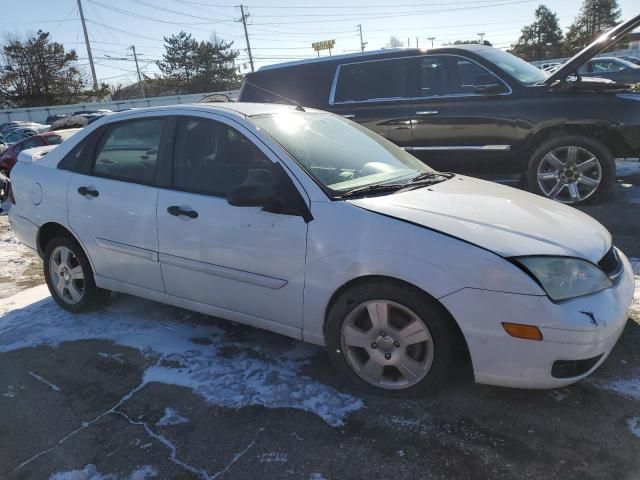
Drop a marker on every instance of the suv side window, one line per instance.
(129, 150)
(433, 76)
(468, 75)
(212, 158)
(375, 80)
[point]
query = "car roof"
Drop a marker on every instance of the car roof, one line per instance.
(240, 109)
(387, 52)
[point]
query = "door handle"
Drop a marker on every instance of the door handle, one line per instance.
(427, 112)
(176, 211)
(84, 191)
(349, 115)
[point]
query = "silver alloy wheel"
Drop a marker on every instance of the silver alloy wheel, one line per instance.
(66, 275)
(387, 344)
(569, 174)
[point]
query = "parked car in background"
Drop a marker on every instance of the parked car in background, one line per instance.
(9, 157)
(309, 225)
(613, 68)
(477, 110)
(629, 58)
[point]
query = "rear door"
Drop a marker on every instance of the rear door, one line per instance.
(112, 202)
(246, 261)
(463, 117)
(377, 95)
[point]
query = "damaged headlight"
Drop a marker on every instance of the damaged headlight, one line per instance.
(565, 277)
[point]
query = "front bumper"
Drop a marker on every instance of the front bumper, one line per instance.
(577, 329)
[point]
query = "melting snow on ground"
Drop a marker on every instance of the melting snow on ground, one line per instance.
(171, 417)
(90, 472)
(261, 369)
(20, 266)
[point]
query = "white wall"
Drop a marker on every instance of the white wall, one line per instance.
(39, 114)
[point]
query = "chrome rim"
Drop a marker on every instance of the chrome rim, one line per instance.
(569, 174)
(66, 275)
(387, 344)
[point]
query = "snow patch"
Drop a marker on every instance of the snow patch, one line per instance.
(261, 369)
(634, 426)
(274, 457)
(10, 393)
(90, 472)
(20, 266)
(629, 387)
(171, 417)
(49, 384)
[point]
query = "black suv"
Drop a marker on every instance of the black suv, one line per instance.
(478, 110)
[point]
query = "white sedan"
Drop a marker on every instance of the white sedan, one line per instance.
(306, 224)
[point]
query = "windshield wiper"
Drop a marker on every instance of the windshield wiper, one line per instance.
(422, 180)
(426, 179)
(379, 188)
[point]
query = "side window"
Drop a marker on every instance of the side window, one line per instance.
(468, 75)
(129, 150)
(213, 158)
(372, 80)
(78, 160)
(32, 142)
(433, 76)
(600, 66)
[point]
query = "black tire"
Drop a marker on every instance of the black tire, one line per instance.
(92, 296)
(599, 150)
(443, 333)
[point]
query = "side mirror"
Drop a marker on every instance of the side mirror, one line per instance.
(258, 190)
(489, 89)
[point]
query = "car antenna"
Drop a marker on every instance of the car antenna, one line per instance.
(298, 106)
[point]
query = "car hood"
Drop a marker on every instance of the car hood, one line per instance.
(602, 42)
(502, 219)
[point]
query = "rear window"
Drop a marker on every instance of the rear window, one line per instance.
(374, 80)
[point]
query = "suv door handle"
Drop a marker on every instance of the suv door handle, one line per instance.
(84, 191)
(176, 211)
(427, 112)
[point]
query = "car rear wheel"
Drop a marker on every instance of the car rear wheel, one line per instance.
(69, 276)
(572, 170)
(389, 338)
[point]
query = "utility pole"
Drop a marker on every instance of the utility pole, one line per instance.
(86, 40)
(432, 39)
(417, 46)
(135, 57)
(362, 43)
(246, 35)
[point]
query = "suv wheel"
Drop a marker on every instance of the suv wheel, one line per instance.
(572, 170)
(69, 276)
(389, 339)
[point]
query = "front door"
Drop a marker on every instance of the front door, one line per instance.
(112, 207)
(245, 261)
(377, 95)
(463, 120)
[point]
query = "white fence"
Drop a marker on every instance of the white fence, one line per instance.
(39, 114)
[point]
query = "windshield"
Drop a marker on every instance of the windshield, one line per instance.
(339, 154)
(522, 71)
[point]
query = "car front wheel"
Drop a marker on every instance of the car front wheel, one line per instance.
(572, 170)
(390, 338)
(69, 276)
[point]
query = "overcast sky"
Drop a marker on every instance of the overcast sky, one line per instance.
(279, 30)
